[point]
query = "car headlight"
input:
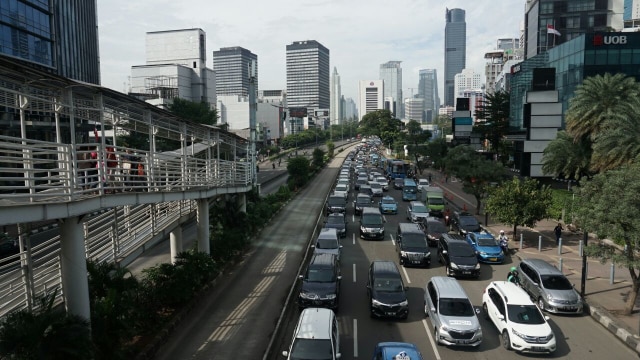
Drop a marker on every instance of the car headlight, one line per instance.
(375, 302)
(403, 253)
(331, 296)
(520, 335)
(427, 255)
(549, 297)
(307, 296)
(444, 329)
(381, 230)
(477, 267)
(363, 229)
(453, 265)
(404, 303)
(482, 253)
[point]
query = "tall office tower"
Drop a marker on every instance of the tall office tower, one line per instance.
(308, 75)
(455, 51)
(56, 36)
(391, 74)
(336, 113)
(631, 14)
(350, 109)
(175, 67)
(467, 80)
(231, 65)
(549, 23)
(428, 90)
(371, 96)
(414, 109)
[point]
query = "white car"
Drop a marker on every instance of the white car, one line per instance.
(383, 181)
(346, 182)
(521, 325)
(344, 194)
(342, 188)
(376, 188)
(422, 184)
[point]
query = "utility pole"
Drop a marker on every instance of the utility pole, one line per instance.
(252, 120)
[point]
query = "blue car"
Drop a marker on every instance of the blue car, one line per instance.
(388, 205)
(486, 246)
(396, 351)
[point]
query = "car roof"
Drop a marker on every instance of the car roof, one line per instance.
(388, 197)
(328, 233)
(315, 323)
(542, 267)
(384, 267)
(514, 294)
(483, 234)
(392, 349)
(448, 287)
(322, 259)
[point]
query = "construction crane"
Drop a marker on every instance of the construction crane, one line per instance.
(412, 90)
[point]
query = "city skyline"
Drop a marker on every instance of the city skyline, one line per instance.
(415, 36)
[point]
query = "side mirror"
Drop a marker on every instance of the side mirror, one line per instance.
(368, 286)
(338, 356)
(340, 247)
(477, 311)
(535, 284)
(313, 246)
(300, 276)
(546, 318)
(501, 317)
(339, 277)
(433, 309)
(444, 252)
(285, 353)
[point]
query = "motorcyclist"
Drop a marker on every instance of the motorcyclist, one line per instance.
(504, 242)
(512, 276)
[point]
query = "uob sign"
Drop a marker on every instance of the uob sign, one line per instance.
(609, 40)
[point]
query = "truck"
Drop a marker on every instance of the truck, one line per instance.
(433, 197)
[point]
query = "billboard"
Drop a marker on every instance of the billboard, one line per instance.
(298, 112)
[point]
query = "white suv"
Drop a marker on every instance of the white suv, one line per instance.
(522, 326)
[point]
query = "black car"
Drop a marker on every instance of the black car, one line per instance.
(8, 246)
(337, 221)
(398, 183)
(433, 228)
(387, 294)
(362, 201)
(336, 204)
(321, 283)
(464, 222)
(458, 256)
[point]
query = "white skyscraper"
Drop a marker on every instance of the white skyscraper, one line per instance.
(391, 74)
(370, 96)
(466, 80)
(335, 115)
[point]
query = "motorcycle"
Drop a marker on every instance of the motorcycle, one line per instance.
(504, 245)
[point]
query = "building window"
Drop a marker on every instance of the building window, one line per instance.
(573, 22)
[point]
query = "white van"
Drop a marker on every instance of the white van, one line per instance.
(315, 336)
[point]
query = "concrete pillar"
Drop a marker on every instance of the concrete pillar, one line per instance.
(203, 226)
(242, 202)
(175, 240)
(75, 284)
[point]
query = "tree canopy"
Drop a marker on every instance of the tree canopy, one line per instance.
(199, 112)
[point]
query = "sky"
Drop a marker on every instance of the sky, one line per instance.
(360, 34)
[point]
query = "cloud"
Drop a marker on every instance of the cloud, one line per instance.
(360, 34)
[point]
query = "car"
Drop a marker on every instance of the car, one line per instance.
(366, 189)
(344, 194)
(549, 287)
(398, 183)
(388, 205)
(458, 256)
(362, 201)
(386, 291)
(336, 204)
(321, 282)
(342, 188)
(382, 181)
(376, 188)
(327, 242)
(521, 325)
(371, 224)
(416, 211)
(422, 184)
(411, 246)
(8, 245)
(396, 351)
(374, 174)
(337, 221)
(360, 181)
(487, 247)
(433, 227)
(464, 222)
(451, 313)
(344, 182)
(316, 336)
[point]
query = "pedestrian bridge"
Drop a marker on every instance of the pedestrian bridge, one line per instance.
(113, 172)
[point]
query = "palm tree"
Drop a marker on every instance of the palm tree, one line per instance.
(618, 145)
(495, 111)
(598, 100)
(566, 157)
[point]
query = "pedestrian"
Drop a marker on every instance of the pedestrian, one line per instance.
(558, 232)
(429, 178)
(273, 165)
(279, 161)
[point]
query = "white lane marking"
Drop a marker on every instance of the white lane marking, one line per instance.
(433, 343)
(353, 236)
(405, 274)
(355, 338)
(392, 240)
(354, 272)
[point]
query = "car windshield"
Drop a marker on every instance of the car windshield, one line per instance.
(381, 180)
(462, 250)
(423, 182)
(436, 201)
(555, 282)
(388, 201)
(437, 227)
(414, 241)
(420, 209)
(525, 314)
(363, 200)
(339, 220)
(372, 220)
(375, 185)
(390, 285)
(487, 242)
(341, 187)
(327, 244)
(468, 221)
(456, 307)
(337, 201)
(320, 275)
(361, 181)
(311, 349)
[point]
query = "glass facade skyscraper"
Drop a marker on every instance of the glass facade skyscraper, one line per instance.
(428, 90)
(455, 51)
(308, 75)
(59, 36)
(231, 65)
(391, 74)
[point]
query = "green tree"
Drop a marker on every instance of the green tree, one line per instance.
(495, 111)
(331, 148)
(437, 150)
(474, 170)
(198, 112)
(618, 145)
(567, 158)
(519, 202)
(299, 171)
(318, 158)
(414, 128)
(378, 122)
(607, 206)
(443, 122)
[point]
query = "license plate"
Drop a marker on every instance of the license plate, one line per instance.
(391, 314)
(464, 341)
(493, 259)
(467, 272)
(415, 262)
(568, 308)
(538, 348)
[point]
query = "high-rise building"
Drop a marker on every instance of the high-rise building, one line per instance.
(506, 49)
(57, 36)
(231, 65)
(371, 96)
(391, 74)
(549, 23)
(308, 75)
(428, 90)
(414, 109)
(350, 109)
(455, 51)
(175, 67)
(467, 80)
(336, 115)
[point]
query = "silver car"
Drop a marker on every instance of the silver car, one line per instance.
(383, 181)
(548, 287)
(376, 188)
(416, 211)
